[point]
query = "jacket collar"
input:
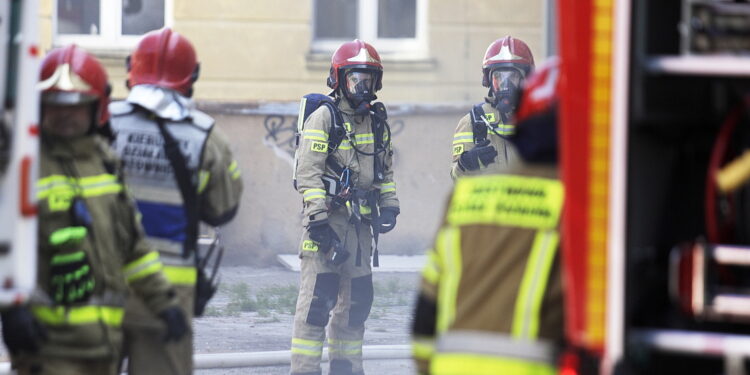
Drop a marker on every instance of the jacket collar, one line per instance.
(164, 103)
(81, 147)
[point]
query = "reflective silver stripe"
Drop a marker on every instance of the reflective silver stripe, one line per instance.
(495, 344)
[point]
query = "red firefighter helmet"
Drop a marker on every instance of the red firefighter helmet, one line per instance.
(70, 75)
(355, 55)
(166, 59)
(507, 52)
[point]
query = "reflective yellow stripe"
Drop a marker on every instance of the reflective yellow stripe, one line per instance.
(350, 347)
(150, 257)
(345, 145)
(505, 129)
(449, 251)
(180, 274)
(431, 270)
(422, 349)
(306, 347)
(307, 352)
(234, 170)
(527, 202)
(91, 186)
(445, 364)
(311, 194)
(529, 300)
(101, 190)
(315, 134)
(463, 137)
(145, 271)
(364, 139)
(59, 315)
(388, 187)
(203, 177)
(142, 267)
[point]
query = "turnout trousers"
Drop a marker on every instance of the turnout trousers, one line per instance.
(336, 298)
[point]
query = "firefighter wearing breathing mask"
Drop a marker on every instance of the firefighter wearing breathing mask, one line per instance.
(91, 244)
(480, 144)
(344, 174)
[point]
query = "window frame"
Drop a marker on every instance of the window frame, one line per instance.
(367, 30)
(110, 22)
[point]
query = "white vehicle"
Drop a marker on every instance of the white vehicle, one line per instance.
(19, 148)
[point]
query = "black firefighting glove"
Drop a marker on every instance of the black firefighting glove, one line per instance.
(481, 155)
(21, 331)
(176, 323)
(71, 277)
(322, 233)
(387, 219)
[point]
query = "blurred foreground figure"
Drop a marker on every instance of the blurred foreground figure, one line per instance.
(345, 177)
(91, 246)
(480, 143)
(491, 297)
(181, 171)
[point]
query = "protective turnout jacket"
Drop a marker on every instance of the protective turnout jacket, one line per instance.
(151, 178)
(312, 168)
(491, 299)
(84, 170)
(463, 140)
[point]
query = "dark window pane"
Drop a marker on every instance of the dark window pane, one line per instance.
(78, 17)
(336, 19)
(141, 16)
(397, 18)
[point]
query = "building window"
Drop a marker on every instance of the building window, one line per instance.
(108, 24)
(394, 27)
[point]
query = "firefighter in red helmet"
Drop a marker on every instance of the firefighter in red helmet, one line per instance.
(89, 240)
(480, 143)
(344, 173)
(181, 172)
(491, 295)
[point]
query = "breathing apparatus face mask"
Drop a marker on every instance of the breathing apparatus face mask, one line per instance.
(506, 89)
(360, 90)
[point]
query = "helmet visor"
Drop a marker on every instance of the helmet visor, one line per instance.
(67, 97)
(360, 82)
(506, 79)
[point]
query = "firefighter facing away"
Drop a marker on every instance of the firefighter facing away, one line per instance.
(480, 143)
(180, 171)
(344, 174)
(491, 299)
(91, 246)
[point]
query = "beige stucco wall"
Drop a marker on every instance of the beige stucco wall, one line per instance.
(260, 50)
(269, 219)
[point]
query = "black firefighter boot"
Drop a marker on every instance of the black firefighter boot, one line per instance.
(342, 367)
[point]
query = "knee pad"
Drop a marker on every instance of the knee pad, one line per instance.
(324, 298)
(362, 295)
(340, 367)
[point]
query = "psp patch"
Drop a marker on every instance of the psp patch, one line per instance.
(458, 150)
(319, 147)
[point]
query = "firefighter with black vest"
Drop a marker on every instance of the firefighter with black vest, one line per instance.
(91, 246)
(344, 174)
(181, 171)
(491, 296)
(480, 143)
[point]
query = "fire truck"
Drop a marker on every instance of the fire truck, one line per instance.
(655, 133)
(19, 148)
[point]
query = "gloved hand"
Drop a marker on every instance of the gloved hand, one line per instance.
(482, 154)
(71, 278)
(387, 219)
(21, 331)
(176, 323)
(322, 233)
